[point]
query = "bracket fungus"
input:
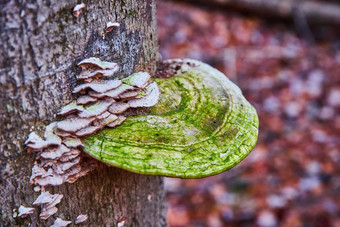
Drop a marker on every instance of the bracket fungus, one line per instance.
(110, 25)
(48, 204)
(201, 126)
(77, 9)
(81, 218)
(102, 103)
(24, 211)
(59, 154)
(60, 223)
(197, 124)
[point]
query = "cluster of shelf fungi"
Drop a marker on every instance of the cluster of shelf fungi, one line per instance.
(101, 103)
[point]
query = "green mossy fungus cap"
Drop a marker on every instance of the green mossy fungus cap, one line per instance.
(201, 126)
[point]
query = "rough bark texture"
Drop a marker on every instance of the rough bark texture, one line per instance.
(40, 44)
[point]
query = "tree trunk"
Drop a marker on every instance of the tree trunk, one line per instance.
(40, 44)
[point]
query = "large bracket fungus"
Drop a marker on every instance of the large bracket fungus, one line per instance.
(194, 124)
(201, 126)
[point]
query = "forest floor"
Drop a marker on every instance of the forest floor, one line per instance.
(292, 177)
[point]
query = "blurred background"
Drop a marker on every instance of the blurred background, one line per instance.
(285, 57)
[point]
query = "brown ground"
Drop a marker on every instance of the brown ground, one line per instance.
(292, 177)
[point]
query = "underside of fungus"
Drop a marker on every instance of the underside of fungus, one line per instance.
(77, 9)
(110, 25)
(101, 103)
(201, 126)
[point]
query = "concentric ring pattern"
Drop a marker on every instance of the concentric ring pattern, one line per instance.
(201, 126)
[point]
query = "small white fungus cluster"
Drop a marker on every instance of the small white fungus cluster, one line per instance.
(101, 103)
(77, 9)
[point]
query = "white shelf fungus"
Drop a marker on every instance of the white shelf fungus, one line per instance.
(70, 155)
(118, 107)
(47, 212)
(150, 99)
(87, 131)
(114, 93)
(48, 204)
(104, 115)
(110, 26)
(117, 122)
(77, 9)
(85, 99)
(74, 124)
(36, 142)
(46, 198)
(59, 155)
(96, 109)
(128, 95)
(96, 63)
(55, 152)
(89, 74)
(140, 79)
(81, 218)
(72, 142)
(24, 211)
(108, 120)
(99, 86)
(70, 108)
(60, 223)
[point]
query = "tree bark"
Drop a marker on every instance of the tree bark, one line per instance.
(40, 44)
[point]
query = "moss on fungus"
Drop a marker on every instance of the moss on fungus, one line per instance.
(201, 126)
